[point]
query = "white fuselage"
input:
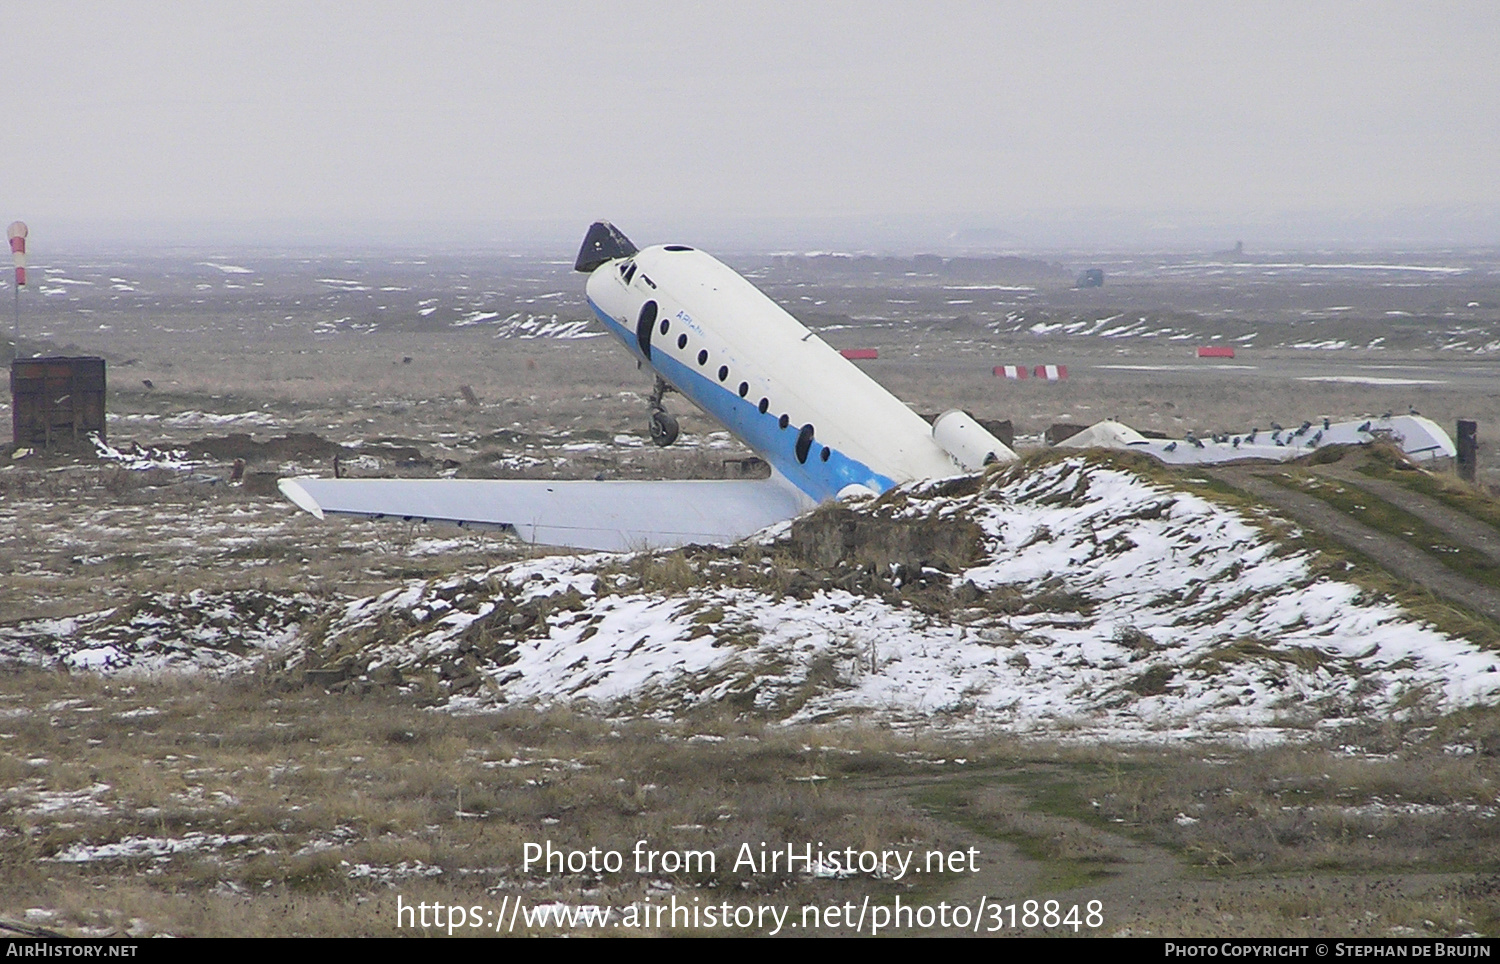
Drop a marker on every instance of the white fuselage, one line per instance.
(813, 415)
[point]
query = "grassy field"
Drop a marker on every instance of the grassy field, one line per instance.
(197, 807)
(208, 804)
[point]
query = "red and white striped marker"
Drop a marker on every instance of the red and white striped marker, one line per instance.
(17, 234)
(1052, 373)
(1013, 372)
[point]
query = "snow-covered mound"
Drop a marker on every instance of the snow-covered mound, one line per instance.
(1071, 598)
(221, 631)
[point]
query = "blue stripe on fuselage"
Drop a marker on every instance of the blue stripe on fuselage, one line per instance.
(763, 433)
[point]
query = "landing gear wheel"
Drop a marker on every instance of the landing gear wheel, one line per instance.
(663, 429)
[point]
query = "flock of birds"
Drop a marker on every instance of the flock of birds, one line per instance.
(1276, 434)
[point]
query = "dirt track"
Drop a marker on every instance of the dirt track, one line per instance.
(1457, 525)
(1400, 557)
(1142, 888)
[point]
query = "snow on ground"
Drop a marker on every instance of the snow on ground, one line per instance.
(32, 798)
(1372, 380)
(223, 631)
(1329, 345)
(134, 848)
(1091, 603)
(142, 458)
(1152, 614)
(519, 325)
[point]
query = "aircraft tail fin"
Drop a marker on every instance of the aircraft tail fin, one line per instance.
(603, 243)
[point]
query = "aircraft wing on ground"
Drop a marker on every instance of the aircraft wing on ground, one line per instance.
(610, 516)
(1420, 438)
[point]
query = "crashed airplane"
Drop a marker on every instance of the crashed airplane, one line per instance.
(827, 429)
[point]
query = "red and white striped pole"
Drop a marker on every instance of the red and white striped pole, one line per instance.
(17, 234)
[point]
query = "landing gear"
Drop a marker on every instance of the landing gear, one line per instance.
(663, 425)
(663, 428)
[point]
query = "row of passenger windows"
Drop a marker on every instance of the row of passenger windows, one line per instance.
(643, 337)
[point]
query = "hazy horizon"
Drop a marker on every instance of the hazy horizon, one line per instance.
(1038, 235)
(877, 126)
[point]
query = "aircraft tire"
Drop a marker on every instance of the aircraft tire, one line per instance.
(663, 429)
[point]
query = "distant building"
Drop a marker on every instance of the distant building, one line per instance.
(1091, 278)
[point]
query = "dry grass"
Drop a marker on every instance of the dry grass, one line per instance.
(333, 805)
(300, 813)
(1297, 808)
(1472, 499)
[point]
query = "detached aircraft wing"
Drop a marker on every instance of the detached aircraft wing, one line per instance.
(608, 516)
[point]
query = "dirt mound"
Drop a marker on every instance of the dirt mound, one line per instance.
(294, 447)
(298, 445)
(836, 535)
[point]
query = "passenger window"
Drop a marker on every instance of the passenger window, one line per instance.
(784, 420)
(682, 340)
(723, 372)
(744, 389)
(665, 324)
(703, 357)
(826, 452)
(765, 403)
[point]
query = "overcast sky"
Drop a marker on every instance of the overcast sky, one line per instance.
(1018, 122)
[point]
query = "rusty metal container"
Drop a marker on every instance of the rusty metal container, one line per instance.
(56, 401)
